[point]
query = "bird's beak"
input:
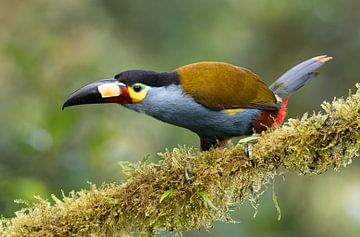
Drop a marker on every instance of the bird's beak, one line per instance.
(104, 91)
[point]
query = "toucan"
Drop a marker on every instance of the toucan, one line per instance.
(215, 100)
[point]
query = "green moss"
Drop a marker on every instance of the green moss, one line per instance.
(160, 196)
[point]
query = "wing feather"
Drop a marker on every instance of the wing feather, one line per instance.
(224, 86)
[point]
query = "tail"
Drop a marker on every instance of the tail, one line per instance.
(293, 80)
(297, 76)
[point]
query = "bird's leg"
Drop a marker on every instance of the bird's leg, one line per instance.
(208, 143)
(248, 141)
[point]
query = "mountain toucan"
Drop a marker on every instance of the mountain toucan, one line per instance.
(215, 100)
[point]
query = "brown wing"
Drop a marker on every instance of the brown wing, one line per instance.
(224, 86)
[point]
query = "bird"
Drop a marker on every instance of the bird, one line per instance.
(215, 100)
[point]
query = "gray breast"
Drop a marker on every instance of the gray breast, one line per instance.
(171, 105)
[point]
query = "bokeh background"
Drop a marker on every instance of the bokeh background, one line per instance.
(50, 48)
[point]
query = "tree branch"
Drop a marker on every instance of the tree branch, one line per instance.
(160, 196)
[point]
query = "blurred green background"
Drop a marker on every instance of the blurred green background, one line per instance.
(50, 48)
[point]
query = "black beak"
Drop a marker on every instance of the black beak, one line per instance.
(104, 91)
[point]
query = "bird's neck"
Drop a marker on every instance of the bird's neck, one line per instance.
(161, 102)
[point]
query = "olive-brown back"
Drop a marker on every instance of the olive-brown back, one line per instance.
(219, 85)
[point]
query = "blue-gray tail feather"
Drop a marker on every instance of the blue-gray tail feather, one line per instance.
(297, 76)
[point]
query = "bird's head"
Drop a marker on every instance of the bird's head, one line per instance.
(128, 87)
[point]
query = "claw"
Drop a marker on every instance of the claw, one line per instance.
(248, 150)
(187, 173)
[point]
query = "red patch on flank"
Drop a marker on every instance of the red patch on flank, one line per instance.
(270, 119)
(264, 121)
(281, 114)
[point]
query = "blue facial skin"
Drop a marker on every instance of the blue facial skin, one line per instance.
(182, 110)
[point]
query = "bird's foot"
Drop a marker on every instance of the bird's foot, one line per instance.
(248, 141)
(187, 173)
(248, 150)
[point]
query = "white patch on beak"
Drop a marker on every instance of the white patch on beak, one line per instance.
(109, 90)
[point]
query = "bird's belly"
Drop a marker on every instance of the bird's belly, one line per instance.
(206, 122)
(213, 123)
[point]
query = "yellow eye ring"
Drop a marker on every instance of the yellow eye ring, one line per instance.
(138, 92)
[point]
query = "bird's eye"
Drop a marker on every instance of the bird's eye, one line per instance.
(137, 87)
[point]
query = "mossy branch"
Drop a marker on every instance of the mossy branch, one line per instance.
(160, 197)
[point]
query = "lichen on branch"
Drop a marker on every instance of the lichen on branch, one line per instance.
(161, 197)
